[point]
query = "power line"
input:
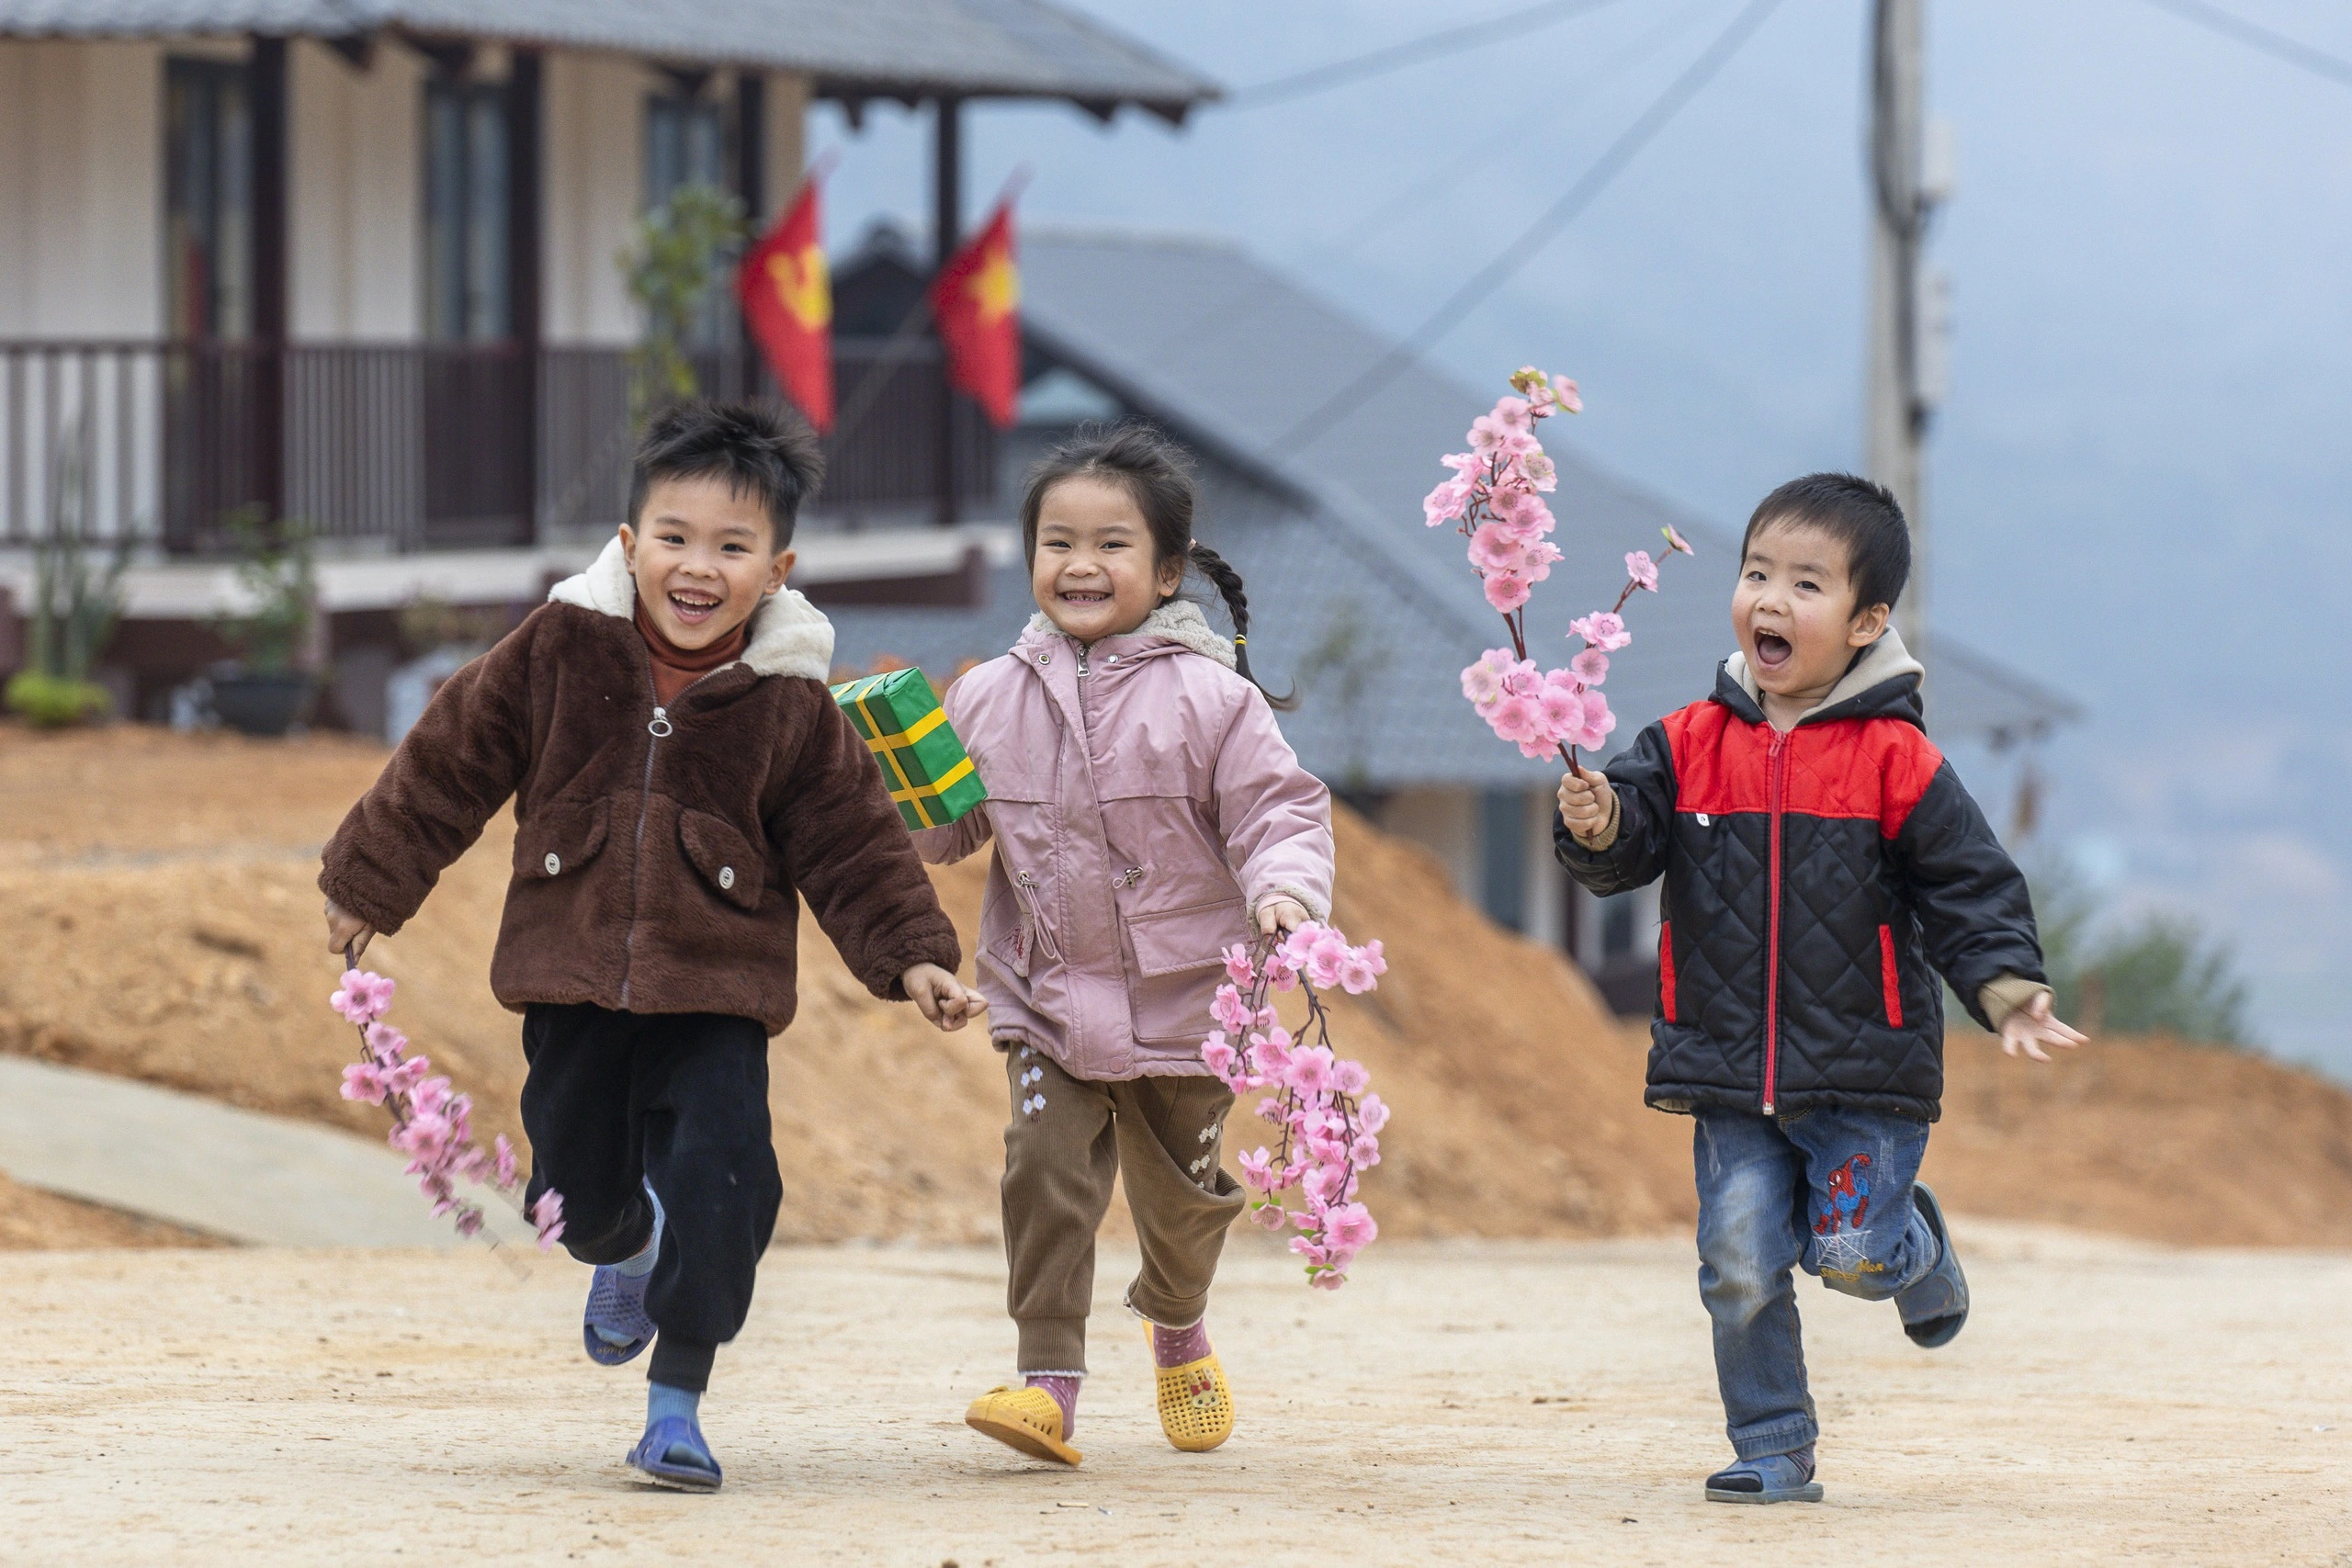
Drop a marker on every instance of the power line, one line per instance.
(1415, 52)
(2276, 45)
(1578, 197)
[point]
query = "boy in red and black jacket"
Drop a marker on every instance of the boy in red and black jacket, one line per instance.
(1824, 866)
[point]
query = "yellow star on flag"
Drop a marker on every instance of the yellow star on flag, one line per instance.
(996, 287)
(804, 286)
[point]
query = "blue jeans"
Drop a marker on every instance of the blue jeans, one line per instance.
(1828, 1192)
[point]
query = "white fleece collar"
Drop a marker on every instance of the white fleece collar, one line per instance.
(788, 634)
(1882, 661)
(1178, 621)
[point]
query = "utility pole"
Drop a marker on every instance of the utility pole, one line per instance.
(1905, 366)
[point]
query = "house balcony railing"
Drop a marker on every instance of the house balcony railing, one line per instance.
(407, 446)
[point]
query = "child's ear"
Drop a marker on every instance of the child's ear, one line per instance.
(779, 569)
(1868, 625)
(629, 546)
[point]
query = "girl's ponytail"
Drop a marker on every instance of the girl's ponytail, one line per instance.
(1228, 584)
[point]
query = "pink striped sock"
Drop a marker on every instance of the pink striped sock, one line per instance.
(1176, 1347)
(1064, 1388)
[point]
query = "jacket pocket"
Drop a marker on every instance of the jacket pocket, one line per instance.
(1665, 970)
(560, 839)
(1179, 966)
(1889, 979)
(731, 862)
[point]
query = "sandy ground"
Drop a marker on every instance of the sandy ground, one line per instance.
(1491, 1401)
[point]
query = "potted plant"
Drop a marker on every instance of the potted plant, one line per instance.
(76, 601)
(266, 692)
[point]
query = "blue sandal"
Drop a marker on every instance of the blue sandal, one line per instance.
(617, 1304)
(656, 1455)
(1769, 1478)
(1935, 1308)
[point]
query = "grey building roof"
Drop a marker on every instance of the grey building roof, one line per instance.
(1372, 613)
(976, 48)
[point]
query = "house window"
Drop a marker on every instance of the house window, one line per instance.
(685, 144)
(466, 285)
(208, 198)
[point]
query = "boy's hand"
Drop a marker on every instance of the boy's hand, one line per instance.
(1281, 914)
(1588, 801)
(2031, 1027)
(943, 998)
(347, 930)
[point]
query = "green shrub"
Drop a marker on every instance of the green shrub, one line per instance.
(54, 702)
(2157, 975)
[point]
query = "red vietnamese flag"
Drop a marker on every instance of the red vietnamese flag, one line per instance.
(788, 298)
(975, 301)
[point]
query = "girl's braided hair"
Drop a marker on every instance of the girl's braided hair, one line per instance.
(1157, 475)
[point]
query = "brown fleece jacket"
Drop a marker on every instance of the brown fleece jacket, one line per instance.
(653, 872)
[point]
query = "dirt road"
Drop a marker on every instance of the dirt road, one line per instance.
(1493, 1402)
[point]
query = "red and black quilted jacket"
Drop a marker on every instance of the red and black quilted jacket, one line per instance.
(1816, 882)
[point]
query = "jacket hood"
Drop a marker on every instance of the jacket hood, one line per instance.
(787, 635)
(1881, 683)
(1179, 622)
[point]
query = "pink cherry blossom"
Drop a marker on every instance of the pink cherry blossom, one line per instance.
(1218, 1055)
(1373, 1114)
(1515, 718)
(364, 1081)
(1358, 972)
(1257, 1166)
(1512, 413)
(1590, 667)
(1448, 500)
(1350, 1226)
(547, 1218)
(1566, 396)
(502, 1168)
(1641, 569)
(1676, 542)
(1237, 967)
(1230, 1011)
(1496, 547)
(1506, 590)
(1365, 1153)
(1604, 629)
(1269, 1215)
(1272, 1055)
(1536, 559)
(362, 997)
(1540, 471)
(1563, 711)
(1483, 682)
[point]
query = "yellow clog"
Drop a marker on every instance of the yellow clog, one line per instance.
(1027, 1419)
(1195, 1405)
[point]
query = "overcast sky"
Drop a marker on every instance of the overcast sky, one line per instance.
(2140, 480)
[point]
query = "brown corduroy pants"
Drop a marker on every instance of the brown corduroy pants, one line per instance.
(1163, 1136)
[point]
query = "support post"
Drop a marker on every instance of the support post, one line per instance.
(525, 154)
(947, 226)
(268, 88)
(1896, 408)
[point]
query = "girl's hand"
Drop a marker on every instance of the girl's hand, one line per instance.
(1281, 916)
(1587, 801)
(347, 930)
(2031, 1027)
(941, 997)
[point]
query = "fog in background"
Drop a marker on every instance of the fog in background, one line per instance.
(2139, 478)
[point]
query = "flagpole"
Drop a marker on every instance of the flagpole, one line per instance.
(946, 228)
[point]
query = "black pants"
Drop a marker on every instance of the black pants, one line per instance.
(679, 1100)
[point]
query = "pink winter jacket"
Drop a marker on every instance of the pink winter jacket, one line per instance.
(1143, 805)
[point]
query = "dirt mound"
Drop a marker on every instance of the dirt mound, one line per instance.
(158, 919)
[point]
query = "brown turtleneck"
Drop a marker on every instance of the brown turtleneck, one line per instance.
(675, 667)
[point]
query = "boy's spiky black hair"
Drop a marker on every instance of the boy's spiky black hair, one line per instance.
(761, 450)
(1860, 515)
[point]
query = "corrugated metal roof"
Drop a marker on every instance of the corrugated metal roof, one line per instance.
(978, 48)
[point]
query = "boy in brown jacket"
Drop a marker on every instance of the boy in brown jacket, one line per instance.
(682, 779)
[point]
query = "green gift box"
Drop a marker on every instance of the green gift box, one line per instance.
(930, 773)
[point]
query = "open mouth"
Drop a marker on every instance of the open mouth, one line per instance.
(1084, 596)
(692, 608)
(1772, 650)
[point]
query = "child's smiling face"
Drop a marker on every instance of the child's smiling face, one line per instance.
(1795, 614)
(1093, 573)
(702, 560)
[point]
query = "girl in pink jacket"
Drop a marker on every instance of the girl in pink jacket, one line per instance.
(1146, 815)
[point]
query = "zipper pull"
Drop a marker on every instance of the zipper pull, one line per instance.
(1081, 661)
(1128, 877)
(660, 725)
